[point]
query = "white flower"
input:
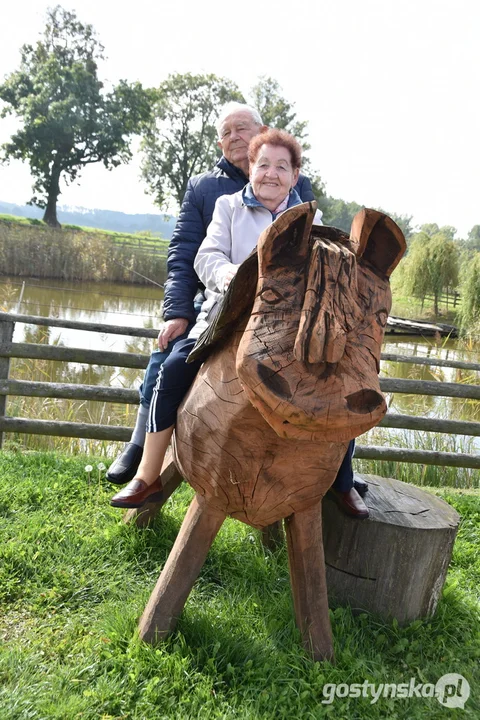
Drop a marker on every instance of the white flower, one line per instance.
(88, 468)
(101, 466)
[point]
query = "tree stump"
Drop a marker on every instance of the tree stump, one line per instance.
(394, 564)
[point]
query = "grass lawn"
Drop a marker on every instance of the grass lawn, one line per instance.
(409, 307)
(74, 580)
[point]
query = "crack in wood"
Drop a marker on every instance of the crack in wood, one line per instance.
(407, 512)
(352, 574)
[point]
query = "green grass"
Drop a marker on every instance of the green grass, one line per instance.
(407, 306)
(20, 220)
(74, 580)
(145, 239)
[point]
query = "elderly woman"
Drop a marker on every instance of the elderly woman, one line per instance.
(237, 222)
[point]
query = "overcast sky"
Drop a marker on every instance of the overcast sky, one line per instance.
(390, 89)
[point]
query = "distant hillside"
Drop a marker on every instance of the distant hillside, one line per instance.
(103, 219)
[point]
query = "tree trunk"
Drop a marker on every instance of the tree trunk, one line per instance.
(50, 215)
(395, 563)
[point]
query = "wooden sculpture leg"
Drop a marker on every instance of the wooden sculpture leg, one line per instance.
(272, 535)
(309, 585)
(199, 528)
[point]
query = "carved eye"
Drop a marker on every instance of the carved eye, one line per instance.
(271, 296)
(382, 317)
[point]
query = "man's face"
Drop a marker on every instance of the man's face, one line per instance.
(236, 132)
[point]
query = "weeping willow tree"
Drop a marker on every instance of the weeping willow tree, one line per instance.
(469, 313)
(431, 267)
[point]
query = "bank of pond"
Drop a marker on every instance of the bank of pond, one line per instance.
(135, 306)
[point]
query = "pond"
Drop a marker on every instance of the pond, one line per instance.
(140, 306)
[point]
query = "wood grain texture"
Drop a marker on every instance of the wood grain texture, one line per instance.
(394, 564)
(199, 529)
(310, 353)
(307, 578)
(6, 335)
(267, 422)
(291, 376)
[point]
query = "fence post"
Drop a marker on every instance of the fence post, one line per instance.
(6, 335)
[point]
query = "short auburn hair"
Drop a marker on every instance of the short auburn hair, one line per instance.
(277, 138)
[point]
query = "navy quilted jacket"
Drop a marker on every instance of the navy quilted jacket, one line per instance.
(191, 229)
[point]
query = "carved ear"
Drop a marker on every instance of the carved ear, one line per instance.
(380, 241)
(285, 243)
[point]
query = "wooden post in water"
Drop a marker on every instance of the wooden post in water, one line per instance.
(6, 335)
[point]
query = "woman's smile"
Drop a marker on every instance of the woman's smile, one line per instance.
(272, 175)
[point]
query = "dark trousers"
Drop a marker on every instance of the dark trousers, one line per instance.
(173, 382)
(157, 358)
(344, 480)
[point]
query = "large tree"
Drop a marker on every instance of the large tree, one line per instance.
(340, 213)
(473, 240)
(431, 266)
(180, 140)
(276, 111)
(432, 229)
(469, 313)
(68, 120)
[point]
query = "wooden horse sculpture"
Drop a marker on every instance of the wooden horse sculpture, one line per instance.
(291, 377)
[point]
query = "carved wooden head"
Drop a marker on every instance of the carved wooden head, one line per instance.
(310, 353)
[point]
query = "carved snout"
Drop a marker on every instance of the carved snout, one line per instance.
(330, 308)
(364, 401)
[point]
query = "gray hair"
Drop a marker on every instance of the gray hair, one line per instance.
(234, 107)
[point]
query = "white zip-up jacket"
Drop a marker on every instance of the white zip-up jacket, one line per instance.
(237, 222)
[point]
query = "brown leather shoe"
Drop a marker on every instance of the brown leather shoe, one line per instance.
(137, 493)
(351, 503)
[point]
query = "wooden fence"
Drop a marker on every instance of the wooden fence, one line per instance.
(451, 298)
(10, 349)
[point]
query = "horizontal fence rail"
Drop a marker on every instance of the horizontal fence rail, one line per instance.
(65, 391)
(420, 457)
(433, 362)
(430, 387)
(35, 351)
(79, 325)
(10, 387)
(59, 428)
(153, 333)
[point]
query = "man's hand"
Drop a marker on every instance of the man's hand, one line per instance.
(171, 330)
(228, 278)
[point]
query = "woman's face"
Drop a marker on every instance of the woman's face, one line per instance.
(272, 175)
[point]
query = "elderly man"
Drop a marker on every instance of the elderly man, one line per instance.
(236, 126)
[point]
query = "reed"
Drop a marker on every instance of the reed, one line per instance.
(69, 410)
(69, 254)
(422, 475)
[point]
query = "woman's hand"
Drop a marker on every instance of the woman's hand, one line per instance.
(171, 330)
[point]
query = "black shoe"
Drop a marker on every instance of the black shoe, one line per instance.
(360, 485)
(123, 469)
